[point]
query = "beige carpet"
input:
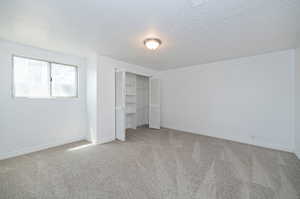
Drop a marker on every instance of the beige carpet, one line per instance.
(153, 164)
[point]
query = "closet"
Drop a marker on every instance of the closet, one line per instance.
(131, 100)
(137, 102)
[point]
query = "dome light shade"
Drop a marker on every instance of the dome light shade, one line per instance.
(152, 43)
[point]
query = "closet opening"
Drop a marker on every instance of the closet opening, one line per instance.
(137, 103)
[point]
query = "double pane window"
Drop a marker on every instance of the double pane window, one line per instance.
(42, 79)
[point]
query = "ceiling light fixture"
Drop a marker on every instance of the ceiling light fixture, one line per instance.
(152, 43)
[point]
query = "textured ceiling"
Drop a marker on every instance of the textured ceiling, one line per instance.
(192, 31)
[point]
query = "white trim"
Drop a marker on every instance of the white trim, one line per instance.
(27, 150)
(106, 140)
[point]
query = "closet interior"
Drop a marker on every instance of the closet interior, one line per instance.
(136, 100)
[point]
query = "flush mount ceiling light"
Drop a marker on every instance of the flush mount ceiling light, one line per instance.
(152, 43)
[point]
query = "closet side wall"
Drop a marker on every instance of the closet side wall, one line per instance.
(142, 103)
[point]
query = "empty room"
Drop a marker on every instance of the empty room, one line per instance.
(135, 99)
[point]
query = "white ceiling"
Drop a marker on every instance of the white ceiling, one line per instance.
(192, 31)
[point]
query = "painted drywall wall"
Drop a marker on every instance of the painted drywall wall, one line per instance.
(297, 102)
(106, 108)
(28, 125)
(250, 100)
(92, 97)
(106, 94)
(142, 100)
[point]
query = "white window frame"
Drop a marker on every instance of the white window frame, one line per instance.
(50, 79)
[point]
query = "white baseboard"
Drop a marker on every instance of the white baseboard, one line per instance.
(258, 143)
(106, 140)
(27, 150)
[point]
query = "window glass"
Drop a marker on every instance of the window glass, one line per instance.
(64, 80)
(31, 78)
(43, 79)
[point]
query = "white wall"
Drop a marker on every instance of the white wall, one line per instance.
(28, 125)
(92, 97)
(106, 109)
(250, 100)
(106, 94)
(297, 102)
(142, 100)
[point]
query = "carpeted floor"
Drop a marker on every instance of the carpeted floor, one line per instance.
(153, 164)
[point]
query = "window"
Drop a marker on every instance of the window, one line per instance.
(31, 78)
(43, 79)
(63, 80)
